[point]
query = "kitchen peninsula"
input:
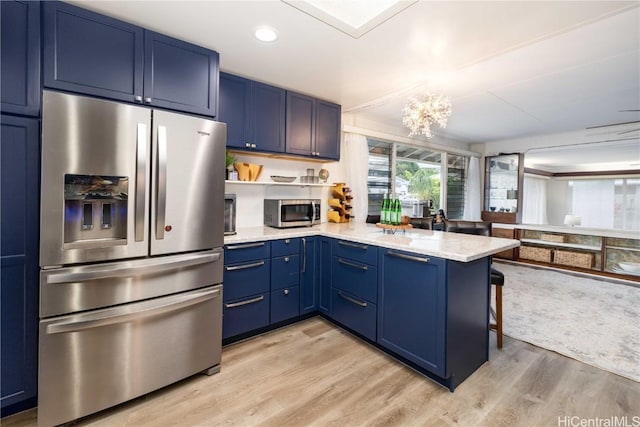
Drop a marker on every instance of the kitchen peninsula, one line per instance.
(421, 296)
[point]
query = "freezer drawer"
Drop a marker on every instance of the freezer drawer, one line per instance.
(88, 287)
(97, 359)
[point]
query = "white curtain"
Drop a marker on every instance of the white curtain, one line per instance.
(534, 200)
(473, 192)
(354, 162)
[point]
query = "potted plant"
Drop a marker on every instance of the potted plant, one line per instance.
(229, 160)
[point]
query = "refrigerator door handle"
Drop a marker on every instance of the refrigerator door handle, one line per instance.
(126, 314)
(161, 196)
(159, 265)
(141, 181)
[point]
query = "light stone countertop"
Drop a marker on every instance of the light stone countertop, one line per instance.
(453, 246)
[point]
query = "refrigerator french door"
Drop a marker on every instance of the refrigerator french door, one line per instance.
(132, 228)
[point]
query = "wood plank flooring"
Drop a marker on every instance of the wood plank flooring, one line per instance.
(315, 374)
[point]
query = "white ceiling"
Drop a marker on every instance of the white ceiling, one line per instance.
(513, 69)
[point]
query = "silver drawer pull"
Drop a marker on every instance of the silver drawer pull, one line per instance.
(287, 241)
(241, 303)
(286, 259)
(286, 291)
(245, 246)
(243, 266)
(350, 264)
(352, 300)
(353, 245)
(407, 257)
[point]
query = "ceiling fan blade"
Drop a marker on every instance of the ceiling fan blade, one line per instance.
(613, 124)
(628, 131)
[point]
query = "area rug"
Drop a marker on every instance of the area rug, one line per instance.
(594, 321)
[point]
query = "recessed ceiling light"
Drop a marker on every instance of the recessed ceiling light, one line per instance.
(266, 34)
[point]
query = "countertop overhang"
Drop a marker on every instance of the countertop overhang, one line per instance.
(451, 246)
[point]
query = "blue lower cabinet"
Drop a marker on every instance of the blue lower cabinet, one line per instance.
(412, 308)
(354, 313)
(284, 247)
(324, 275)
(245, 314)
(355, 278)
(241, 252)
(284, 304)
(246, 278)
(285, 271)
(309, 275)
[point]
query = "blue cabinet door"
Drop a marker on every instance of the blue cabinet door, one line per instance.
(20, 57)
(284, 304)
(354, 313)
(179, 75)
(89, 53)
(412, 308)
(328, 130)
(301, 124)
(267, 109)
(355, 278)
(285, 271)
(324, 279)
(245, 314)
(233, 109)
(246, 278)
(310, 275)
(19, 192)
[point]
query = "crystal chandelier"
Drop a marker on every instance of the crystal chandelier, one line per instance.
(419, 114)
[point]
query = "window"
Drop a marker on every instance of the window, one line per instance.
(379, 176)
(416, 178)
(457, 167)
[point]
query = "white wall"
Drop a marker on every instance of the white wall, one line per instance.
(249, 198)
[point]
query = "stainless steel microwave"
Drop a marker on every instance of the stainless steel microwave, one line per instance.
(285, 213)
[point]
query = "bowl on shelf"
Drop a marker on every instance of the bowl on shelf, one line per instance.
(632, 267)
(278, 178)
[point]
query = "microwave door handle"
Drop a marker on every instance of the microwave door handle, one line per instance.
(141, 181)
(161, 186)
(313, 212)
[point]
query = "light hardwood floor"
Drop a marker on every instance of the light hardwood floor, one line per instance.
(315, 374)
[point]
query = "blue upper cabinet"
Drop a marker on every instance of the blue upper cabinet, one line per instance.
(90, 53)
(313, 127)
(301, 124)
(234, 108)
(328, 130)
(180, 75)
(20, 57)
(267, 109)
(93, 54)
(254, 113)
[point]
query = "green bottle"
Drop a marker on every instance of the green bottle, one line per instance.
(398, 209)
(384, 211)
(393, 220)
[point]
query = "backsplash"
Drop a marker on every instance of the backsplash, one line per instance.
(249, 198)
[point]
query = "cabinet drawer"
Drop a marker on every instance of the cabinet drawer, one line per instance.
(245, 314)
(285, 304)
(240, 252)
(354, 313)
(355, 251)
(247, 278)
(355, 278)
(285, 271)
(285, 247)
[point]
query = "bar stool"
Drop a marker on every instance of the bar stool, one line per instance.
(483, 228)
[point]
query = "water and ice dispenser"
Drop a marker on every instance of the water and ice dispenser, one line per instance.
(95, 210)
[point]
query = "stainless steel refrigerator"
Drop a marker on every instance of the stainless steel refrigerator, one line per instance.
(132, 229)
